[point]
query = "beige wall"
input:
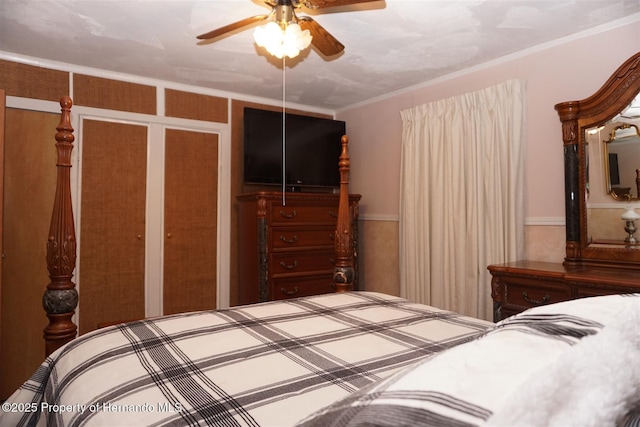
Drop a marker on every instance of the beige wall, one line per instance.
(378, 256)
(570, 70)
(555, 73)
(545, 242)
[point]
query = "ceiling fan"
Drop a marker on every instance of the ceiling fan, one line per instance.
(283, 13)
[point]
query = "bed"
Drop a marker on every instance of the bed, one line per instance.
(342, 359)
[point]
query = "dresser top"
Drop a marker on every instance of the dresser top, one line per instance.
(605, 275)
(293, 196)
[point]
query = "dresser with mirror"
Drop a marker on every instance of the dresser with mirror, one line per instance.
(602, 204)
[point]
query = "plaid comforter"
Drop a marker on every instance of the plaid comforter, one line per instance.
(270, 364)
(573, 363)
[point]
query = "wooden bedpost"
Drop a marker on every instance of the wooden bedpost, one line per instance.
(344, 273)
(61, 298)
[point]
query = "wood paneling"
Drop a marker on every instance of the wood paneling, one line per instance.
(190, 222)
(113, 94)
(28, 81)
(29, 186)
(195, 106)
(112, 229)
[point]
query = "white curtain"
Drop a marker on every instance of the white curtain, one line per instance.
(461, 196)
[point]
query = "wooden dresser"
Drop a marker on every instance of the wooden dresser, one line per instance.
(288, 251)
(593, 266)
(518, 286)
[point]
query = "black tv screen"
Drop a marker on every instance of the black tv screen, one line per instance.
(312, 149)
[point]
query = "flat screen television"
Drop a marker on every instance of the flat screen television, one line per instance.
(312, 150)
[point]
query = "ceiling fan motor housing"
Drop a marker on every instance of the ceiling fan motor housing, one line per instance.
(284, 13)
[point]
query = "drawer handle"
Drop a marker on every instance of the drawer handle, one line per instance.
(293, 240)
(288, 215)
(332, 261)
(289, 266)
(333, 214)
(545, 299)
(286, 292)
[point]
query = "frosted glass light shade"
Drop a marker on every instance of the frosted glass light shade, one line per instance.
(630, 215)
(280, 42)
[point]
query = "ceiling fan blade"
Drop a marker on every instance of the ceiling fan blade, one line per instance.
(232, 27)
(321, 39)
(320, 4)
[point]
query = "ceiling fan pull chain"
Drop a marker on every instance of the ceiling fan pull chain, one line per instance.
(284, 133)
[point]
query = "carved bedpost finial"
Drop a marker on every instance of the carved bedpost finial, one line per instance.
(60, 299)
(343, 273)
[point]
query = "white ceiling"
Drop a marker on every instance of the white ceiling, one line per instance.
(390, 45)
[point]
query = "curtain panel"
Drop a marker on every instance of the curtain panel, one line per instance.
(461, 196)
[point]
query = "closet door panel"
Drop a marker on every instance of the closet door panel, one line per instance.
(112, 228)
(190, 221)
(29, 187)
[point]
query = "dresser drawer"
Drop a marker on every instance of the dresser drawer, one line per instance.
(289, 251)
(519, 285)
(530, 293)
(290, 263)
(294, 214)
(300, 287)
(296, 237)
(584, 292)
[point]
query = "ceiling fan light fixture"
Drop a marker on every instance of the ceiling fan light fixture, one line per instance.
(288, 40)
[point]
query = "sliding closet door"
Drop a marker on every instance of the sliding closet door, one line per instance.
(190, 221)
(29, 186)
(112, 228)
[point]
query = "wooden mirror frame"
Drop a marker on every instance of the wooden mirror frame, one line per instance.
(576, 116)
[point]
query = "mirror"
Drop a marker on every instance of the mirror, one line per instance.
(595, 227)
(613, 157)
(622, 162)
